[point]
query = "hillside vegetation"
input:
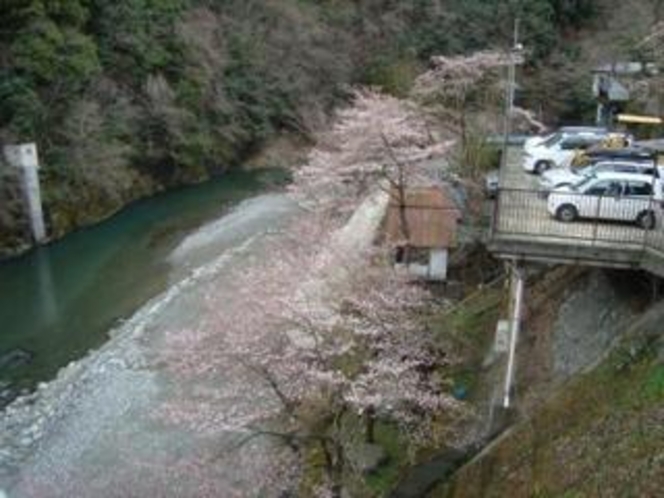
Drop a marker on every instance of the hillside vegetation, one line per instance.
(602, 435)
(128, 97)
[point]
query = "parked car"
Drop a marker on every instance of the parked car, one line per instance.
(625, 197)
(559, 150)
(632, 154)
(492, 183)
(531, 142)
(560, 177)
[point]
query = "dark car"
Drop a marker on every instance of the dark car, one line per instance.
(633, 154)
(583, 129)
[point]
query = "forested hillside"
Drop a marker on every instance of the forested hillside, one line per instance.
(127, 97)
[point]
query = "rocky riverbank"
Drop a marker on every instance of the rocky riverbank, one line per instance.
(33, 415)
(47, 436)
(118, 398)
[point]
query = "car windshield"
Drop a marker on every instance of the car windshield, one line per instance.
(586, 179)
(552, 139)
(544, 138)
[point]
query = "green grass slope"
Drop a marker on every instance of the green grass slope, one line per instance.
(602, 434)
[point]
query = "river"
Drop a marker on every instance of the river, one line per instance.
(60, 301)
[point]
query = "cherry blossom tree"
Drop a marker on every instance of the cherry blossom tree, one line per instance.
(288, 345)
(266, 359)
(465, 94)
(379, 143)
(370, 141)
(454, 86)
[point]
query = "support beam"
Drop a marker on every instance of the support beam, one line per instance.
(517, 288)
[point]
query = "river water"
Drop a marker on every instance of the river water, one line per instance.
(60, 301)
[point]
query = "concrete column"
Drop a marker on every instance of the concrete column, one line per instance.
(24, 157)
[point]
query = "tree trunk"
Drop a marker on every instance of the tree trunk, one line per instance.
(337, 481)
(403, 221)
(369, 423)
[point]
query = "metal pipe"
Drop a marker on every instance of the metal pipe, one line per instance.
(596, 218)
(515, 328)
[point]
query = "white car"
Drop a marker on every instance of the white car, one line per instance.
(492, 183)
(608, 196)
(560, 177)
(558, 150)
(565, 131)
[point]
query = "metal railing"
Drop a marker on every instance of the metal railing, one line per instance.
(610, 221)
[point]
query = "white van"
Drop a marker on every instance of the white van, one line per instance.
(608, 196)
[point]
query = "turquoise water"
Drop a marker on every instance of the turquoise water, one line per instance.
(60, 301)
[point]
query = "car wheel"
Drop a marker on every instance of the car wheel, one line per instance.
(646, 220)
(567, 213)
(542, 166)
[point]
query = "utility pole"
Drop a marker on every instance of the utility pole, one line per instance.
(517, 277)
(515, 55)
(515, 58)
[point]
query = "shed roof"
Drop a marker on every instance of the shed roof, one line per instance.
(431, 218)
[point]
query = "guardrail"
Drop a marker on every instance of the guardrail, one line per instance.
(528, 214)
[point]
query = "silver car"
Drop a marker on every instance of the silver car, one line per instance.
(564, 176)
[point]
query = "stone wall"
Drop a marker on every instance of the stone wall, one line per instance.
(593, 314)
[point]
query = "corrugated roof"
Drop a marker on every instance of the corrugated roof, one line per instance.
(431, 218)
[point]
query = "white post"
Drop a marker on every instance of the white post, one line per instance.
(24, 157)
(437, 264)
(514, 336)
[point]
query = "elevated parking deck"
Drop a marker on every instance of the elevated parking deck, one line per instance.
(523, 229)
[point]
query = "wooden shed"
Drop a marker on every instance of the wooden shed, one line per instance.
(424, 218)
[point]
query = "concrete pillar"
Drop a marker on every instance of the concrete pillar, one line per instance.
(25, 158)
